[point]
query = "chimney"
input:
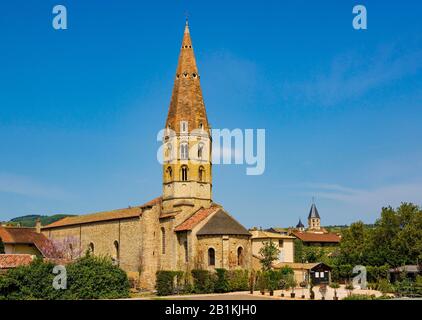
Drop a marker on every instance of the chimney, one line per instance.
(38, 226)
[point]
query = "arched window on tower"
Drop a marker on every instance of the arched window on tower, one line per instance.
(169, 173)
(184, 151)
(240, 256)
(211, 257)
(184, 173)
(116, 252)
(163, 241)
(168, 153)
(201, 174)
(200, 150)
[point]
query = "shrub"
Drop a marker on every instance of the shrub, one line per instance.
(165, 283)
(359, 297)
(273, 279)
(87, 278)
(238, 280)
(203, 281)
(261, 281)
(94, 277)
(384, 286)
(222, 284)
(30, 282)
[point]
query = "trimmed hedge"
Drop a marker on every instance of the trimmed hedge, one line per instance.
(165, 282)
(238, 280)
(222, 285)
(201, 281)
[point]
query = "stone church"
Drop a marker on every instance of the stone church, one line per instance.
(183, 229)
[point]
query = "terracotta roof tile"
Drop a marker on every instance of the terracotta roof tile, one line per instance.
(20, 235)
(8, 261)
(316, 237)
(196, 218)
(131, 212)
(261, 234)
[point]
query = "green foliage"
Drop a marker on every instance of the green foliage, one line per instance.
(269, 252)
(1, 246)
(298, 251)
(286, 270)
(165, 283)
(94, 277)
(30, 282)
(395, 239)
(334, 285)
(203, 281)
(384, 286)
(362, 297)
(222, 284)
(273, 279)
(87, 278)
(262, 281)
(238, 280)
(291, 282)
(29, 220)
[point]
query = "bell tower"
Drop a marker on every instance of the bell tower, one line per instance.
(314, 220)
(187, 179)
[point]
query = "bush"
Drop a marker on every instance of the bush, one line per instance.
(374, 273)
(87, 278)
(94, 277)
(359, 297)
(384, 286)
(203, 281)
(261, 281)
(30, 282)
(222, 284)
(238, 280)
(165, 283)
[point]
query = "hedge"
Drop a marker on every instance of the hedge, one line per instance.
(201, 281)
(87, 278)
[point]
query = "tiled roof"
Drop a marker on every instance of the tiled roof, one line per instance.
(261, 234)
(221, 223)
(126, 213)
(8, 261)
(20, 235)
(316, 237)
(187, 103)
(313, 213)
(300, 224)
(301, 266)
(196, 218)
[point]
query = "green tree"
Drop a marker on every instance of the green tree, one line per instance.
(353, 244)
(394, 240)
(269, 253)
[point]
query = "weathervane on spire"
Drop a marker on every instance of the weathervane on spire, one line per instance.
(187, 17)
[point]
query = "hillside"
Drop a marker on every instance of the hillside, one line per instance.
(29, 220)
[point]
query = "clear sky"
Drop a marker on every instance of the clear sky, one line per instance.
(342, 109)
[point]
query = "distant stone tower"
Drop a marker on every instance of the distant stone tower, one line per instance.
(314, 220)
(187, 165)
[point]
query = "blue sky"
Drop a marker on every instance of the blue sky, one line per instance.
(342, 109)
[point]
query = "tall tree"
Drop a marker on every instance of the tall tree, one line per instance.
(269, 253)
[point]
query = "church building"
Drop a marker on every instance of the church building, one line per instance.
(183, 229)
